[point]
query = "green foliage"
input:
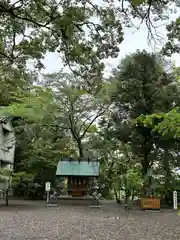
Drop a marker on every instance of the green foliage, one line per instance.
(170, 124)
(125, 120)
(78, 109)
(40, 141)
(25, 184)
(56, 118)
(143, 88)
(82, 32)
(53, 123)
(5, 174)
(32, 104)
(134, 180)
(14, 82)
(137, 2)
(167, 124)
(51, 26)
(172, 45)
(20, 177)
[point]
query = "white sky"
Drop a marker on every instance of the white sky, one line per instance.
(133, 40)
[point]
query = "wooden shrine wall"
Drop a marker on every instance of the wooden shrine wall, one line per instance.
(78, 186)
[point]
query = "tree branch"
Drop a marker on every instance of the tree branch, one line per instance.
(89, 125)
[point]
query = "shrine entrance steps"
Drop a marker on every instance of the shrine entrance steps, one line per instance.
(66, 197)
(69, 200)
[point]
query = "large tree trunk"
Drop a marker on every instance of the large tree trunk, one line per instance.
(167, 172)
(80, 149)
(145, 165)
(7, 197)
(116, 195)
(132, 195)
(126, 198)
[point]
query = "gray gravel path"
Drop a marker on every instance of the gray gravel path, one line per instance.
(33, 221)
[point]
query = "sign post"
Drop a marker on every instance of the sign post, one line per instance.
(48, 188)
(175, 200)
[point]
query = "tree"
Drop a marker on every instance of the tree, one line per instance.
(82, 32)
(172, 45)
(79, 110)
(152, 13)
(30, 29)
(143, 87)
(65, 105)
(166, 123)
(14, 83)
(40, 143)
(115, 160)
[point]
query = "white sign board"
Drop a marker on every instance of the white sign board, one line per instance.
(48, 186)
(175, 205)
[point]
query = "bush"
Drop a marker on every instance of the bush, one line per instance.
(23, 184)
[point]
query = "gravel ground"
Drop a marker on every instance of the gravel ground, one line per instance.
(34, 221)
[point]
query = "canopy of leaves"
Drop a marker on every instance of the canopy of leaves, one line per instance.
(166, 123)
(83, 32)
(143, 87)
(29, 29)
(172, 45)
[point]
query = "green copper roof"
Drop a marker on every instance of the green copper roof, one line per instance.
(78, 168)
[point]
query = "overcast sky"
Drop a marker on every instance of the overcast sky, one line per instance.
(133, 40)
